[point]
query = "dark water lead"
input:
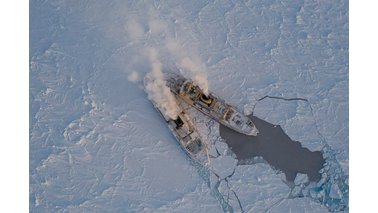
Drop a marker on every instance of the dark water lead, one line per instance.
(282, 153)
(276, 148)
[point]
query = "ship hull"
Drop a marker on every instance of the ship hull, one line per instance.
(210, 105)
(186, 134)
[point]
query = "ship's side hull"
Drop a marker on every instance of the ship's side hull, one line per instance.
(215, 116)
(197, 152)
(211, 105)
(186, 134)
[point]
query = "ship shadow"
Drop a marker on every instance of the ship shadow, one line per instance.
(276, 148)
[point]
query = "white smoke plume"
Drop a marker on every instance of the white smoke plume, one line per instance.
(191, 65)
(197, 72)
(135, 31)
(133, 76)
(157, 89)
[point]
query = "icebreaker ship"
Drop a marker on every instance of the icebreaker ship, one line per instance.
(185, 133)
(210, 105)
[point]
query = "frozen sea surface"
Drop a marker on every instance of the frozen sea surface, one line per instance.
(98, 145)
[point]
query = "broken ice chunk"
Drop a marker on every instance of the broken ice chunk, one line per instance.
(301, 179)
(222, 148)
(335, 192)
(223, 166)
(212, 151)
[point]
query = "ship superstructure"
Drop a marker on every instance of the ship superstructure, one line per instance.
(186, 134)
(211, 105)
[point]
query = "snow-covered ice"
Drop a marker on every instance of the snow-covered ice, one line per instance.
(98, 145)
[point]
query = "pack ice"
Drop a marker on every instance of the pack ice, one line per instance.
(98, 145)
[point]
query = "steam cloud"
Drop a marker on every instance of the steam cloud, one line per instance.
(190, 64)
(133, 77)
(157, 89)
(134, 30)
(150, 31)
(197, 72)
